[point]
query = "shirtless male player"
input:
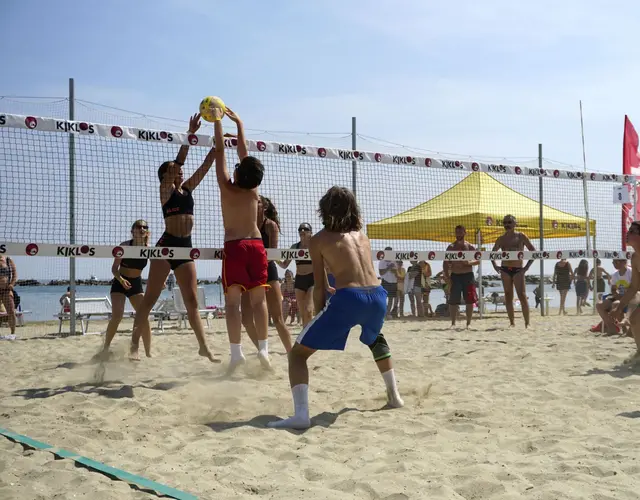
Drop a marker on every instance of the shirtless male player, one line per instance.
(359, 300)
(460, 274)
(511, 271)
(244, 260)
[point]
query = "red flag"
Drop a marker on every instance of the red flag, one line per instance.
(630, 166)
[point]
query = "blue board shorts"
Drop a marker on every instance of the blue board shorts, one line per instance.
(347, 308)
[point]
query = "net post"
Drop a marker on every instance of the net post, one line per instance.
(480, 289)
(586, 203)
(72, 218)
(541, 229)
(354, 167)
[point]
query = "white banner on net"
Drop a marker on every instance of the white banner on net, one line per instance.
(117, 132)
(281, 254)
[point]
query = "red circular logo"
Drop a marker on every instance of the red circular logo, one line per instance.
(615, 255)
(520, 255)
(117, 252)
(413, 255)
(518, 170)
(595, 253)
(83, 126)
(475, 167)
(554, 224)
(163, 135)
(116, 131)
(432, 255)
(31, 122)
(628, 255)
(427, 162)
(165, 251)
(477, 256)
(193, 139)
(556, 173)
(377, 157)
(593, 177)
(234, 141)
(84, 249)
(460, 255)
(298, 148)
(32, 249)
(626, 178)
(322, 152)
(545, 255)
(580, 253)
(409, 159)
(300, 253)
(356, 155)
(542, 172)
(261, 146)
(559, 255)
(194, 254)
(380, 255)
(457, 163)
(505, 255)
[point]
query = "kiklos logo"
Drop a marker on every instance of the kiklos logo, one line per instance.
(377, 157)
(475, 167)
(380, 255)
(193, 139)
(116, 131)
(32, 249)
(31, 122)
(117, 252)
(194, 254)
(261, 146)
(432, 255)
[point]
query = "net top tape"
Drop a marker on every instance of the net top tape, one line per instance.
(118, 132)
(288, 254)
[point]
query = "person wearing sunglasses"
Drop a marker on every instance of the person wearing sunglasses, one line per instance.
(126, 284)
(176, 197)
(631, 293)
(511, 271)
(304, 275)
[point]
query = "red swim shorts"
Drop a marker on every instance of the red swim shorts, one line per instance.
(244, 263)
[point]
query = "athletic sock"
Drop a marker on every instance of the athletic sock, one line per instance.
(389, 378)
(236, 352)
(263, 346)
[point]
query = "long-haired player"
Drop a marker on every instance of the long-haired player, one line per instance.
(176, 197)
(269, 224)
(127, 282)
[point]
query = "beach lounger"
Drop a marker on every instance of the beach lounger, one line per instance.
(86, 308)
(181, 310)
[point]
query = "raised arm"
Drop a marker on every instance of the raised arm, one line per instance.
(199, 174)
(222, 174)
(194, 125)
(319, 275)
(242, 144)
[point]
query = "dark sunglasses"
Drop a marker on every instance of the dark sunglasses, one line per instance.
(144, 228)
(303, 229)
(508, 222)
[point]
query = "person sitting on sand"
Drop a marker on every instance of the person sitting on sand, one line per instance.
(359, 300)
(620, 280)
(630, 292)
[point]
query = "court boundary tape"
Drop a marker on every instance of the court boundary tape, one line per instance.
(107, 470)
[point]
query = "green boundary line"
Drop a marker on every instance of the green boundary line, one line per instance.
(100, 467)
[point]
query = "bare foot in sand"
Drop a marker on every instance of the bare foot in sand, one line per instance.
(133, 353)
(205, 352)
(632, 360)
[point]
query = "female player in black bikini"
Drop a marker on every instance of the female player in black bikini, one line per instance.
(177, 207)
(304, 275)
(126, 284)
(269, 224)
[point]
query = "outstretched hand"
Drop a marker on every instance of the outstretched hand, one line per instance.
(194, 123)
(232, 115)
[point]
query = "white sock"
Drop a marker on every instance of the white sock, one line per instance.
(301, 400)
(236, 351)
(389, 378)
(263, 345)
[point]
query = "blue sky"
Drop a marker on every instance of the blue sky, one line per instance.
(487, 79)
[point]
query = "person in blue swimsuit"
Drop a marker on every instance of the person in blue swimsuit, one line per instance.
(359, 300)
(176, 197)
(126, 284)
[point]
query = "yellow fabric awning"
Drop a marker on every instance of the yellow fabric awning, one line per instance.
(478, 202)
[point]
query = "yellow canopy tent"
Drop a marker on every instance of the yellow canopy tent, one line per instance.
(478, 202)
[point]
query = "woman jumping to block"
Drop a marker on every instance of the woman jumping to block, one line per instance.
(176, 197)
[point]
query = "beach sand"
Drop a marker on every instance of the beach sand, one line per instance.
(491, 413)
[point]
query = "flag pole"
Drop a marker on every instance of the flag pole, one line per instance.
(586, 205)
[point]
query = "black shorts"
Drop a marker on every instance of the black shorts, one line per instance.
(390, 288)
(168, 240)
(272, 272)
(136, 286)
(303, 282)
(463, 289)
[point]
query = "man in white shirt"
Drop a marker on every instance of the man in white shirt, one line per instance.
(389, 275)
(620, 281)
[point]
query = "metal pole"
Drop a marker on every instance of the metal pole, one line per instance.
(543, 312)
(586, 204)
(72, 216)
(354, 164)
(480, 289)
